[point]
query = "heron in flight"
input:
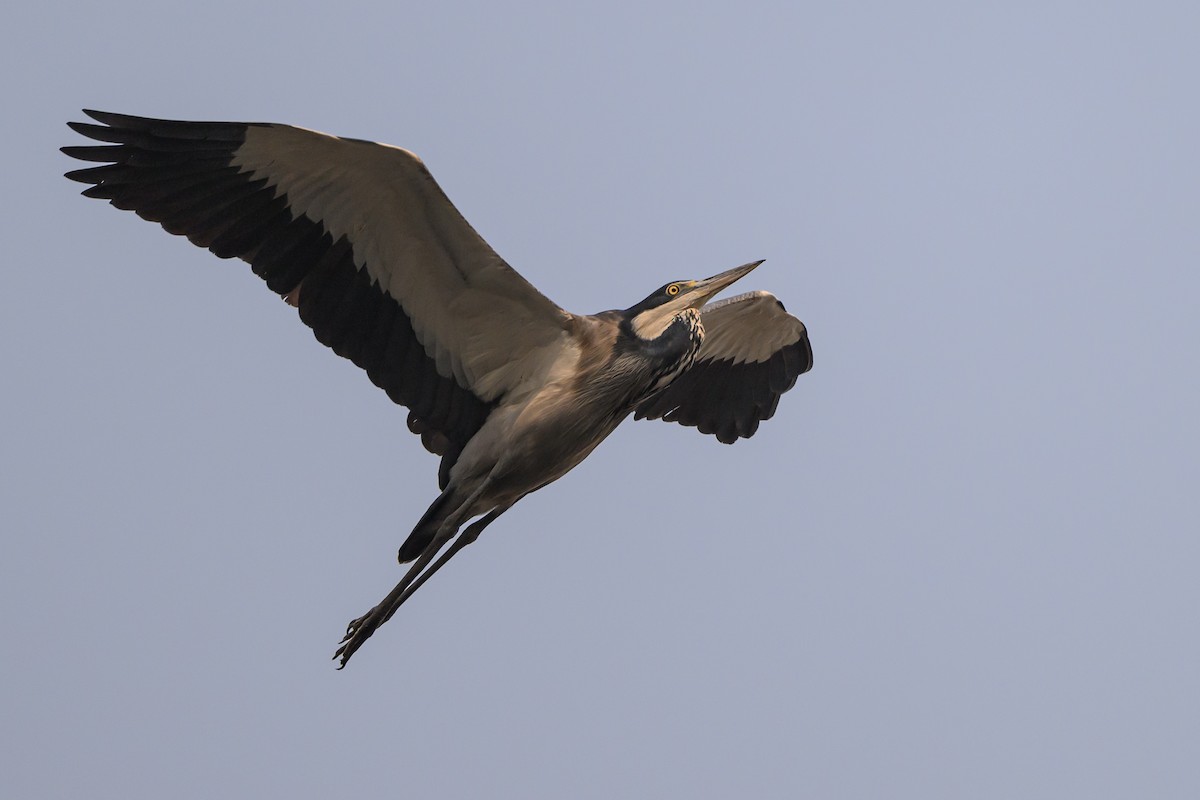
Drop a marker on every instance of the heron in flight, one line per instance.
(509, 389)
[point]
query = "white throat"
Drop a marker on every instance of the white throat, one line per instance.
(651, 324)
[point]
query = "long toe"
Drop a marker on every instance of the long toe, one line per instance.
(354, 625)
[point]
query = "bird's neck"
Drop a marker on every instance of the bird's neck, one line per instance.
(666, 356)
(680, 340)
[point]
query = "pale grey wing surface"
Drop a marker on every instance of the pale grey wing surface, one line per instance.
(753, 352)
(358, 235)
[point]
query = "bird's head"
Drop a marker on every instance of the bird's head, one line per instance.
(651, 317)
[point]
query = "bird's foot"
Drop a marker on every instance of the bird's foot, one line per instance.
(357, 632)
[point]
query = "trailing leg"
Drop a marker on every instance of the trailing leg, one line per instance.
(465, 538)
(359, 630)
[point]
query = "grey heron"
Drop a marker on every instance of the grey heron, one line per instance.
(509, 389)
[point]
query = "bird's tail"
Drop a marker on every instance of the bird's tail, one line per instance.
(426, 528)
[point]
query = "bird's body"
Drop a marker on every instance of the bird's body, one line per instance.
(509, 389)
(535, 439)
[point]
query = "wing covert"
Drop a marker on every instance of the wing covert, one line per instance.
(753, 352)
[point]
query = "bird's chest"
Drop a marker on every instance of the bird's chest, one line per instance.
(528, 446)
(673, 371)
(675, 351)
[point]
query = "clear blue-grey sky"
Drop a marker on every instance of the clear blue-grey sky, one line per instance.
(961, 562)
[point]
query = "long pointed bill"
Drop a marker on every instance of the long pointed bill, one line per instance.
(702, 291)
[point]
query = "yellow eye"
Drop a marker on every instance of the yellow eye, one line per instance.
(673, 289)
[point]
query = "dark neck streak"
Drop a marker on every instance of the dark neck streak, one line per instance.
(639, 367)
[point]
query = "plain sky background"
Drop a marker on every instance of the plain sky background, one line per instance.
(961, 562)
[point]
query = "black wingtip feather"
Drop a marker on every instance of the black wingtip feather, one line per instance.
(89, 174)
(120, 120)
(104, 153)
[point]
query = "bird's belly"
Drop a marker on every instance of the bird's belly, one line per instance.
(521, 449)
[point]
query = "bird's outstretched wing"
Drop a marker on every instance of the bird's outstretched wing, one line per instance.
(753, 352)
(358, 235)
